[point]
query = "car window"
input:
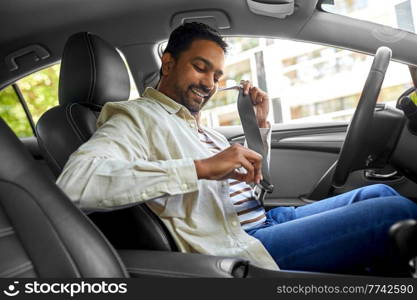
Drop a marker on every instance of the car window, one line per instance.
(40, 90)
(394, 13)
(305, 82)
(39, 93)
(12, 112)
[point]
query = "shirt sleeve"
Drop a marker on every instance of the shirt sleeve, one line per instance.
(115, 169)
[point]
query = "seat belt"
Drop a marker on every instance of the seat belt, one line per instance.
(254, 141)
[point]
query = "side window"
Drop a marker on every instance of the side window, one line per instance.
(23, 103)
(40, 90)
(305, 82)
(12, 112)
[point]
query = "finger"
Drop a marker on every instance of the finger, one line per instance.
(258, 175)
(259, 98)
(242, 152)
(249, 167)
(237, 175)
(251, 155)
(255, 159)
(254, 93)
(246, 86)
(265, 102)
(257, 165)
(257, 171)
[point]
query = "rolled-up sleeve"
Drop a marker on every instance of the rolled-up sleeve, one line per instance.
(115, 168)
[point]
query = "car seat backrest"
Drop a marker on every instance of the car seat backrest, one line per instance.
(92, 73)
(42, 233)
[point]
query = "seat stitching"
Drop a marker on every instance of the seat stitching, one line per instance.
(72, 123)
(75, 124)
(6, 231)
(12, 272)
(162, 272)
(93, 68)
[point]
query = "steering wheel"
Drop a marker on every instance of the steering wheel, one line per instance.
(359, 128)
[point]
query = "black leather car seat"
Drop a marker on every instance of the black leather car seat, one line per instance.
(42, 234)
(93, 73)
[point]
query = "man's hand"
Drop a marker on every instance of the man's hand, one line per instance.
(223, 165)
(260, 102)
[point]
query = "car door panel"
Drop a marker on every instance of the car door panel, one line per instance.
(295, 172)
(300, 155)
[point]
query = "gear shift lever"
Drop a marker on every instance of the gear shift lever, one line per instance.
(404, 234)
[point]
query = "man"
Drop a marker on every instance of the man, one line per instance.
(153, 149)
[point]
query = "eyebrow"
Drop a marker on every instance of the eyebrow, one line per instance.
(208, 63)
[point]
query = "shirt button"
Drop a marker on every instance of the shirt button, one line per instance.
(144, 195)
(184, 186)
(234, 223)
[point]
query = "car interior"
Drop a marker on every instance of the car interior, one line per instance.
(44, 234)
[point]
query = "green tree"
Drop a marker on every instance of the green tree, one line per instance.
(13, 114)
(40, 91)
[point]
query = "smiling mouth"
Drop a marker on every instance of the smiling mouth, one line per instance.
(200, 94)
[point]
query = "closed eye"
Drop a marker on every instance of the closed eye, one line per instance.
(198, 69)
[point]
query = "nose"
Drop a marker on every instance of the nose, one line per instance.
(207, 82)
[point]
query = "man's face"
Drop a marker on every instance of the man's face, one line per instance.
(193, 77)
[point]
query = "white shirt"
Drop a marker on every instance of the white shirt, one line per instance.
(144, 150)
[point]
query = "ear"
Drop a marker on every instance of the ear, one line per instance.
(168, 62)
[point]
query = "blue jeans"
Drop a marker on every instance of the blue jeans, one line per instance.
(347, 233)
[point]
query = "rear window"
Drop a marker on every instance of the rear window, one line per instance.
(39, 93)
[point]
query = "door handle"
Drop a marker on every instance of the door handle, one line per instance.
(380, 174)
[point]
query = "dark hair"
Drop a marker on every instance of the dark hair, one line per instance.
(184, 35)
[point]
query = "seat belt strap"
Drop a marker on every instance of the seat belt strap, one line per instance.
(254, 141)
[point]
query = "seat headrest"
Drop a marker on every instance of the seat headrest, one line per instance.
(92, 71)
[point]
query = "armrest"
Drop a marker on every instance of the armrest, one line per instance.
(144, 263)
(256, 272)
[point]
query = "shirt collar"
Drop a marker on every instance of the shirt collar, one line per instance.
(167, 103)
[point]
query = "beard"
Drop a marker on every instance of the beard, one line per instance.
(186, 100)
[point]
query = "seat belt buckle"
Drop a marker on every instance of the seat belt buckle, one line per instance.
(261, 189)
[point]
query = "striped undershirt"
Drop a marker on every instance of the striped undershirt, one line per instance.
(250, 212)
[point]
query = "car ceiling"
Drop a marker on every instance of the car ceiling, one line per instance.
(136, 25)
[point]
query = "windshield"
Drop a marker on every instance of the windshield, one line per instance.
(401, 14)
